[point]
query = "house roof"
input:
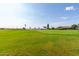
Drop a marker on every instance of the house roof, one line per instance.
(64, 27)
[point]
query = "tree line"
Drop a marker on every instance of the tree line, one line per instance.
(73, 26)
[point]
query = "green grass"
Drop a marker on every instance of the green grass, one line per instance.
(39, 42)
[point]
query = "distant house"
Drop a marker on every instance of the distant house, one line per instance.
(64, 27)
(77, 27)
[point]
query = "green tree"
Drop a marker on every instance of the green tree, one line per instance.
(78, 25)
(24, 26)
(44, 27)
(52, 28)
(74, 26)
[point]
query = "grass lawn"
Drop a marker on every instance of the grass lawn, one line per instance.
(39, 42)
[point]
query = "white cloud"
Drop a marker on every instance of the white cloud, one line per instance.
(62, 23)
(9, 15)
(64, 17)
(70, 8)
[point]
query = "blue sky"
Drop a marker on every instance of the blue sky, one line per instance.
(38, 14)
